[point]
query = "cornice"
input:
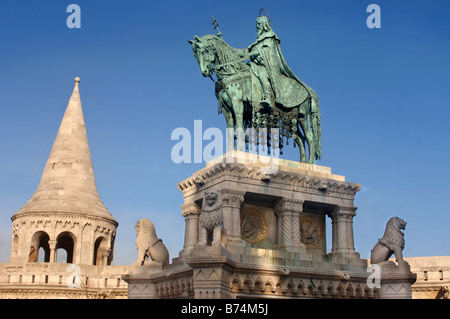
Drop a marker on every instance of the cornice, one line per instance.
(63, 216)
(253, 174)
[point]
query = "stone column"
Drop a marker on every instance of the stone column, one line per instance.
(288, 211)
(52, 245)
(342, 231)
(104, 253)
(191, 212)
(231, 208)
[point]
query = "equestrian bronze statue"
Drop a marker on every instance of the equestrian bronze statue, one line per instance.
(257, 92)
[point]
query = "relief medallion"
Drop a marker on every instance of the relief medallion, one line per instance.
(311, 231)
(253, 225)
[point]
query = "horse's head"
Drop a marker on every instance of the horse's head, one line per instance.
(203, 53)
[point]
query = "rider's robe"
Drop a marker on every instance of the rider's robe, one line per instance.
(288, 89)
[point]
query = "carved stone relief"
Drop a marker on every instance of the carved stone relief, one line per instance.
(311, 231)
(253, 225)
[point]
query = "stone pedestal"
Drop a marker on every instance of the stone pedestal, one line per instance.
(138, 278)
(212, 269)
(272, 203)
(396, 280)
(274, 214)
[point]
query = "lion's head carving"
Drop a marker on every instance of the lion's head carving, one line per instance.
(146, 232)
(212, 201)
(211, 210)
(148, 244)
(393, 234)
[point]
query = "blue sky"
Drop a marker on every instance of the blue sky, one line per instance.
(384, 97)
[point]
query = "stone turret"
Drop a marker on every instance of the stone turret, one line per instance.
(66, 211)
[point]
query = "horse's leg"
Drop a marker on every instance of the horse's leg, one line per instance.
(309, 139)
(300, 140)
(238, 107)
(230, 128)
(305, 109)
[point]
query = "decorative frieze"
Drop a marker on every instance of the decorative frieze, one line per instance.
(176, 288)
(295, 286)
(300, 182)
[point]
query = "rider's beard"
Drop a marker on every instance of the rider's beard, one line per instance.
(259, 31)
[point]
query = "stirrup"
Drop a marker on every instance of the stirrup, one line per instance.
(267, 103)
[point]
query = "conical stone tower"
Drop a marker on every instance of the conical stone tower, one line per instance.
(66, 211)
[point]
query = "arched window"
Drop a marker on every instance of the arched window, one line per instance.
(101, 252)
(65, 241)
(39, 248)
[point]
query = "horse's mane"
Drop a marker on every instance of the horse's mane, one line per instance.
(225, 52)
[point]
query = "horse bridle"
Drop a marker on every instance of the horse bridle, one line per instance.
(213, 69)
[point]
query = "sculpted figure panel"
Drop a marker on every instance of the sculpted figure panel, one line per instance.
(310, 231)
(253, 225)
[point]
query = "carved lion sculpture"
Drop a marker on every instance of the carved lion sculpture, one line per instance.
(148, 244)
(392, 242)
(443, 293)
(211, 220)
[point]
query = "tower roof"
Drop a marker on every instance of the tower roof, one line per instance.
(68, 183)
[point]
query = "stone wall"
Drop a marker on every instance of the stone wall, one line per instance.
(62, 281)
(433, 275)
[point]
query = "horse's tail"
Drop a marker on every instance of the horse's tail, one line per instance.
(314, 122)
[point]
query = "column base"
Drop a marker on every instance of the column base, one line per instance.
(346, 253)
(295, 248)
(236, 246)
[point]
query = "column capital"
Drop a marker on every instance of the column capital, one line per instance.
(52, 243)
(349, 211)
(289, 204)
(232, 198)
(190, 209)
